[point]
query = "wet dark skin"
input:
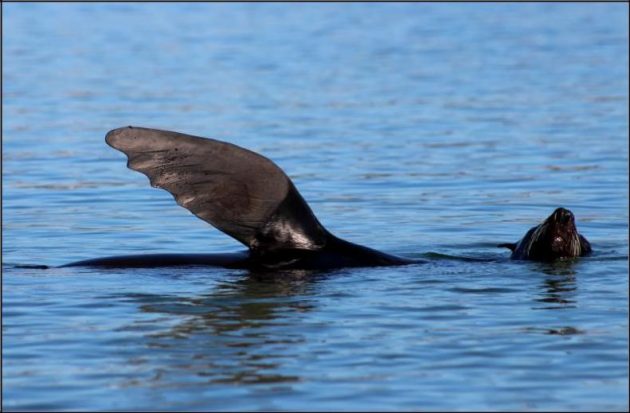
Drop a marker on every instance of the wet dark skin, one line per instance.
(251, 199)
(555, 238)
(241, 193)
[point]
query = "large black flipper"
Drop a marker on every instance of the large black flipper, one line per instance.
(238, 191)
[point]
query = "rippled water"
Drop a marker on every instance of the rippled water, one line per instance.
(431, 131)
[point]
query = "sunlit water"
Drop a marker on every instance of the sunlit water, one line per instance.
(425, 130)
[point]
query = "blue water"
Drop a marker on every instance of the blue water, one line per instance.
(432, 131)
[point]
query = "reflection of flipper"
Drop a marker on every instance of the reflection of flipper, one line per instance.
(236, 190)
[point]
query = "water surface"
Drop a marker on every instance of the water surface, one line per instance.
(432, 131)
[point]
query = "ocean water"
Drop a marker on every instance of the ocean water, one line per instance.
(430, 131)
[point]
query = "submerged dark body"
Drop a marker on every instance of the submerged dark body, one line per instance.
(555, 238)
(337, 253)
(241, 193)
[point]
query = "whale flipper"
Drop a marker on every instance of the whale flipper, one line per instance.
(238, 191)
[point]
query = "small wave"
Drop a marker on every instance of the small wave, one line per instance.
(436, 256)
(487, 290)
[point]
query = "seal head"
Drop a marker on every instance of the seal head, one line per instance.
(555, 238)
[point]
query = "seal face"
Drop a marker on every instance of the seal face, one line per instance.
(555, 238)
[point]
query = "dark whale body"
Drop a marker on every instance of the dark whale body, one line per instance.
(555, 238)
(241, 193)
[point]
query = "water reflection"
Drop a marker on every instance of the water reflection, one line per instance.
(240, 332)
(559, 286)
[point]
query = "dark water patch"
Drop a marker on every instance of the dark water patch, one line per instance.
(561, 331)
(565, 331)
(28, 266)
(440, 308)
